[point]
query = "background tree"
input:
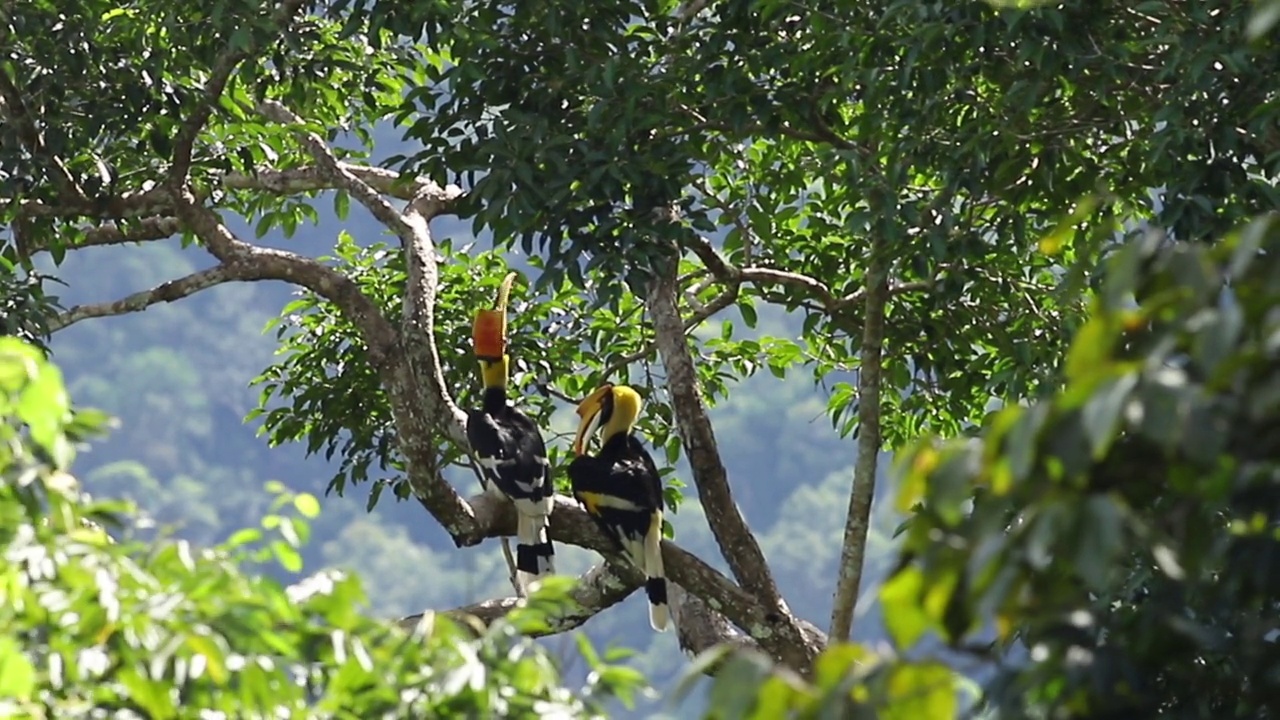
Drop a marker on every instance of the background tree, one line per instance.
(895, 173)
(1108, 551)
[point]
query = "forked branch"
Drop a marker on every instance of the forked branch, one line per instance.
(831, 303)
(737, 544)
(783, 635)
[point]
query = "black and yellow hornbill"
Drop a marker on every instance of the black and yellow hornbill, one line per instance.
(620, 487)
(509, 446)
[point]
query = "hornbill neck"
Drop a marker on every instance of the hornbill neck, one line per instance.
(616, 443)
(495, 400)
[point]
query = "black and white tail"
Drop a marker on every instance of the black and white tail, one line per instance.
(655, 585)
(535, 557)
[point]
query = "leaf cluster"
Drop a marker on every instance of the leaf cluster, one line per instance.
(1123, 531)
(169, 630)
(848, 681)
(323, 390)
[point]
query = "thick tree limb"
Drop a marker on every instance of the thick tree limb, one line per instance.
(155, 227)
(767, 625)
(786, 639)
(699, 628)
(157, 200)
(737, 544)
(386, 352)
(145, 229)
(598, 589)
(853, 547)
(420, 403)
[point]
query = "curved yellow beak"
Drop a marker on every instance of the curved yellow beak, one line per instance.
(589, 412)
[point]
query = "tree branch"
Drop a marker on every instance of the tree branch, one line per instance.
(858, 520)
(571, 524)
(157, 200)
(157, 227)
(360, 190)
(730, 274)
(787, 639)
(165, 292)
(420, 401)
(699, 628)
(597, 590)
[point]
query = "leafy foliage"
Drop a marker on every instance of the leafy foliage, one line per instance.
(571, 122)
(25, 307)
(802, 140)
(114, 123)
(849, 681)
(168, 630)
(1124, 531)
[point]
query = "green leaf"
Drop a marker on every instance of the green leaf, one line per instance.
(17, 674)
(734, 690)
(307, 505)
(215, 660)
(287, 555)
(920, 690)
(837, 662)
(696, 671)
(1101, 414)
(1264, 18)
(1091, 349)
(1100, 537)
(774, 698)
(904, 615)
(1248, 241)
(153, 696)
(243, 536)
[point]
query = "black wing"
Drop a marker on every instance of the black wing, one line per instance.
(530, 450)
(597, 485)
(623, 469)
(511, 452)
(649, 478)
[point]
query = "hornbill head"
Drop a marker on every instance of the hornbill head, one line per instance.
(489, 338)
(611, 407)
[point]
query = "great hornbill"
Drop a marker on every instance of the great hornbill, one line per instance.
(509, 446)
(620, 489)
